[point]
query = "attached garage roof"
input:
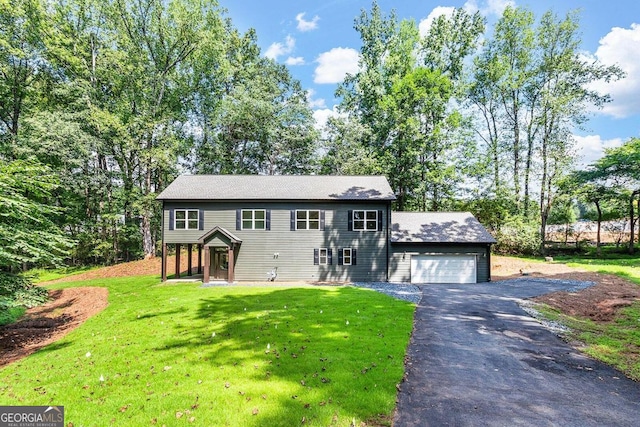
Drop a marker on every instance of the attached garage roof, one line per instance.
(278, 187)
(437, 227)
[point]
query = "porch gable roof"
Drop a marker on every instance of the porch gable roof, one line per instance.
(219, 230)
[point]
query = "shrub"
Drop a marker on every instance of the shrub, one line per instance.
(518, 237)
(18, 291)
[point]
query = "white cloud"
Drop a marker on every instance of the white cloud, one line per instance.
(491, 7)
(425, 24)
(591, 147)
(279, 49)
(315, 103)
(488, 8)
(322, 116)
(335, 64)
(297, 60)
(306, 25)
(621, 46)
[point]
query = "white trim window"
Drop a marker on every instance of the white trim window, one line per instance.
(323, 256)
(365, 220)
(307, 220)
(254, 219)
(347, 256)
(186, 219)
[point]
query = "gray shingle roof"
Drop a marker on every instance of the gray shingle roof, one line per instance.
(437, 227)
(277, 187)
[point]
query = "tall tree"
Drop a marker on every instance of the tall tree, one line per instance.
(23, 64)
(258, 120)
(404, 92)
(619, 167)
(532, 87)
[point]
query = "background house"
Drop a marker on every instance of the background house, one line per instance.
(315, 228)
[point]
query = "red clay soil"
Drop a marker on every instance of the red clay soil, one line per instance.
(70, 307)
(599, 302)
(42, 325)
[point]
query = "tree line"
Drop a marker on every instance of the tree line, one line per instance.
(104, 102)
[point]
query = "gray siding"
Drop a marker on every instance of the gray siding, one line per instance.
(400, 269)
(256, 256)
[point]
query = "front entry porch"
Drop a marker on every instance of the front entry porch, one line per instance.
(220, 254)
(219, 250)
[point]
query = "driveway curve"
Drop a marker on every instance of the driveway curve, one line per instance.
(477, 359)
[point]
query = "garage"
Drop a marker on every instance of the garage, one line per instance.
(443, 269)
(439, 247)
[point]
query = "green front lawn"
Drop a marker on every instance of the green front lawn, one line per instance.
(181, 354)
(626, 266)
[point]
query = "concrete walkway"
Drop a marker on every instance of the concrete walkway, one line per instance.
(477, 359)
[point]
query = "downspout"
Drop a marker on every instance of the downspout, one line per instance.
(489, 261)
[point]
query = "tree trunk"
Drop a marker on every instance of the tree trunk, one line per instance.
(632, 216)
(598, 252)
(147, 239)
(516, 157)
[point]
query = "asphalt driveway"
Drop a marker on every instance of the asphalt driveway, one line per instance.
(477, 359)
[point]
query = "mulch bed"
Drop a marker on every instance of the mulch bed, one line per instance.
(45, 324)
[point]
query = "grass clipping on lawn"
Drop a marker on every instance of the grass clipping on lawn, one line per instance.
(180, 354)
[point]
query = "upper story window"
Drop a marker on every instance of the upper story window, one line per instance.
(254, 219)
(307, 220)
(365, 220)
(186, 219)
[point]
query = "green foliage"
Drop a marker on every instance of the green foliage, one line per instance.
(18, 291)
(8, 313)
(403, 94)
(27, 232)
(517, 236)
(346, 149)
(531, 86)
(216, 354)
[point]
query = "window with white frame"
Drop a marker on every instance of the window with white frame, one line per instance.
(323, 256)
(254, 219)
(307, 220)
(365, 220)
(347, 256)
(186, 219)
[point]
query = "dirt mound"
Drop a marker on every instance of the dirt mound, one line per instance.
(143, 267)
(42, 325)
(600, 302)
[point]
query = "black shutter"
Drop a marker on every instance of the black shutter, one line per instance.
(340, 257)
(293, 220)
(353, 256)
(238, 219)
(329, 256)
(268, 222)
(379, 220)
(322, 220)
(350, 221)
(201, 219)
(171, 219)
(316, 256)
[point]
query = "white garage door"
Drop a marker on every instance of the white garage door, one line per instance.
(443, 269)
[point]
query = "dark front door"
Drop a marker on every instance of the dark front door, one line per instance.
(220, 263)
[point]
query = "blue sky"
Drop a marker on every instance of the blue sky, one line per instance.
(316, 39)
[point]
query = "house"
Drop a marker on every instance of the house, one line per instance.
(316, 228)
